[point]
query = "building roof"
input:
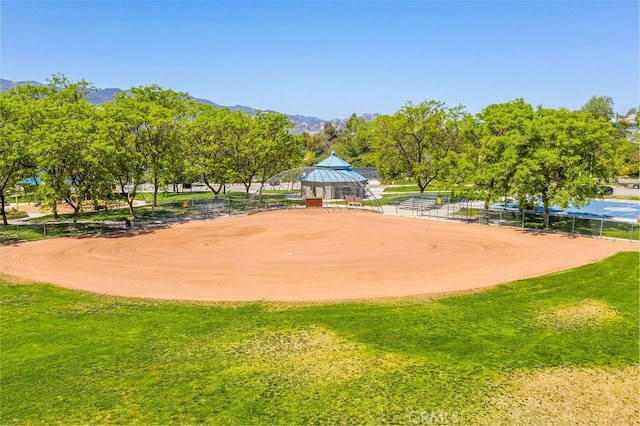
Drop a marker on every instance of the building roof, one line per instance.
(326, 175)
(334, 162)
(333, 169)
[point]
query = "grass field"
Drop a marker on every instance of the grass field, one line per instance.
(556, 349)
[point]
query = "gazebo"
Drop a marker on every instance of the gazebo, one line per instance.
(331, 183)
(333, 178)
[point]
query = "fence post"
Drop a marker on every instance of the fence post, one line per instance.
(573, 225)
(44, 227)
(601, 226)
(522, 220)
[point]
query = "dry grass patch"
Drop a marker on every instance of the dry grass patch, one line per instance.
(585, 396)
(313, 355)
(586, 313)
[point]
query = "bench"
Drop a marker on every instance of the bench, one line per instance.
(353, 200)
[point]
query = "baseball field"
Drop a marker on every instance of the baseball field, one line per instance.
(316, 316)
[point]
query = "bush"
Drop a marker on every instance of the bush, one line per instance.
(16, 214)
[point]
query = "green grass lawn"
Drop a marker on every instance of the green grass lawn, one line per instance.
(16, 214)
(533, 351)
(403, 188)
(468, 211)
(410, 188)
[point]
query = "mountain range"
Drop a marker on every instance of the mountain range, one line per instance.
(302, 123)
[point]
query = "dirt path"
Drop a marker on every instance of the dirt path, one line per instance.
(303, 254)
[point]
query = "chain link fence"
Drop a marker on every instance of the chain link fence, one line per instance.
(593, 227)
(437, 204)
(443, 205)
(145, 217)
(440, 205)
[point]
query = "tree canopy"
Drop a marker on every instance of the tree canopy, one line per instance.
(599, 107)
(18, 119)
(153, 135)
(418, 140)
(69, 149)
(563, 153)
(494, 150)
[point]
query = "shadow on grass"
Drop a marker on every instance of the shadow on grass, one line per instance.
(15, 235)
(122, 233)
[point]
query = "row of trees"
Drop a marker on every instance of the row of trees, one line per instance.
(77, 151)
(507, 150)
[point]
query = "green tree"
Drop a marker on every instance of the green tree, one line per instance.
(418, 140)
(492, 154)
(158, 117)
(628, 142)
(127, 155)
(210, 133)
(263, 146)
(355, 123)
(18, 118)
(599, 106)
(561, 157)
(237, 129)
(355, 143)
(316, 146)
(70, 147)
(279, 149)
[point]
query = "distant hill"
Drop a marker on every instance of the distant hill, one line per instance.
(8, 84)
(103, 95)
(302, 123)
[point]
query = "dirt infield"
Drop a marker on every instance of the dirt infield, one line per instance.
(295, 255)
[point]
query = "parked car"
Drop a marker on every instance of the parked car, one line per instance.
(604, 190)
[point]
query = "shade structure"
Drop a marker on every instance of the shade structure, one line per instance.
(332, 184)
(329, 188)
(329, 178)
(323, 175)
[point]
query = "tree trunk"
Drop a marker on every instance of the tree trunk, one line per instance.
(155, 194)
(216, 192)
(545, 203)
(421, 186)
(546, 217)
(4, 213)
(130, 202)
(130, 197)
(54, 208)
(75, 216)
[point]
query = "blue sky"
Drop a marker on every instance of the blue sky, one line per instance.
(330, 59)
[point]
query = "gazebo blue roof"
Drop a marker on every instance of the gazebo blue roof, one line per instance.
(334, 162)
(333, 169)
